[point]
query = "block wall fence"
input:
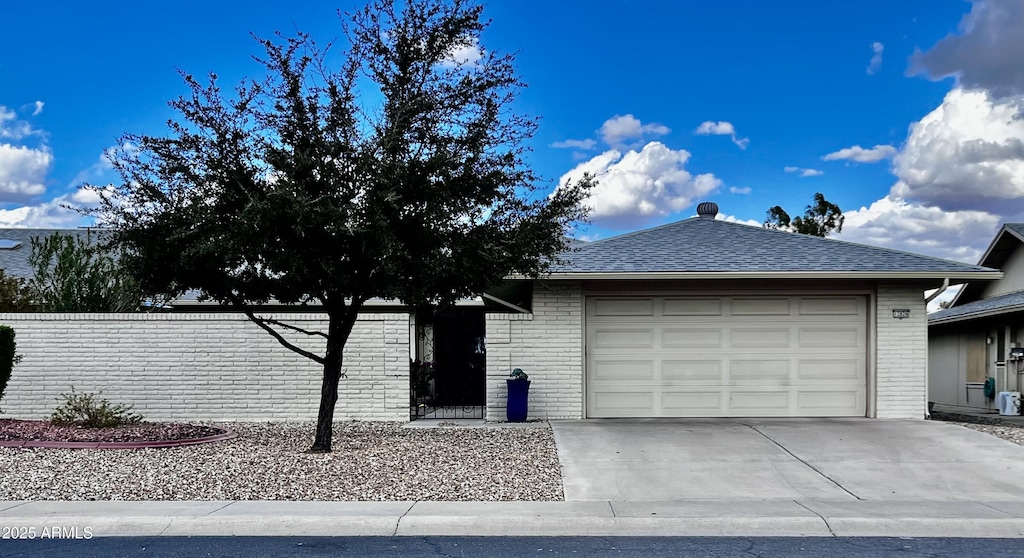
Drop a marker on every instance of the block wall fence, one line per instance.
(205, 366)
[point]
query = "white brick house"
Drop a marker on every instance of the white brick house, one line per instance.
(698, 318)
(707, 318)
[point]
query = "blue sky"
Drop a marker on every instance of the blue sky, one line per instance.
(744, 102)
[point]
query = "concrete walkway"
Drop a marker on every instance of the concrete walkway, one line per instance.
(805, 517)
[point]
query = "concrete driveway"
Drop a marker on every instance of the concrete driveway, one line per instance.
(765, 459)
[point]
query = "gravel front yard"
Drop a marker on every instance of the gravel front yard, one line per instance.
(371, 461)
(994, 426)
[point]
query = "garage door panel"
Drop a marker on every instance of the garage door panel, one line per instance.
(740, 338)
(651, 356)
(613, 338)
(831, 337)
(830, 402)
(761, 371)
(837, 306)
(831, 369)
(773, 306)
(692, 307)
(624, 307)
(692, 371)
(623, 370)
(751, 403)
(621, 403)
(695, 337)
(692, 403)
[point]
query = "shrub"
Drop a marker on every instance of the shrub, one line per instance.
(8, 356)
(92, 411)
(15, 294)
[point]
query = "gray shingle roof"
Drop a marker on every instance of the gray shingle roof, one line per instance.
(14, 262)
(709, 245)
(1009, 302)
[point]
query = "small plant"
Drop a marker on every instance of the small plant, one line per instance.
(518, 374)
(89, 410)
(8, 356)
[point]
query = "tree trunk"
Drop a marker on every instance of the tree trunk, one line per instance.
(338, 329)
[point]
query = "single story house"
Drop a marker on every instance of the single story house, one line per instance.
(696, 318)
(973, 340)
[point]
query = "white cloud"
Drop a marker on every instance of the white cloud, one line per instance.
(22, 172)
(734, 219)
(467, 53)
(49, 214)
(37, 108)
(737, 190)
(893, 222)
(101, 167)
(620, 128)
(637, 187)
(966, 154)
(804, 172)
(11, 128)
(574, 144)
(862, 155)
(721, 128)
(876, 58)
(986, 52)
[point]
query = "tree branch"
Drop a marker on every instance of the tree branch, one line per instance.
(280, 339)
(293, 328)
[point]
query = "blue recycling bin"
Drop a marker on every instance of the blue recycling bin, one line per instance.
(516, 408)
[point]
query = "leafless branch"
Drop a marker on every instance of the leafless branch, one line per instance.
(291, 327)
(262, 322)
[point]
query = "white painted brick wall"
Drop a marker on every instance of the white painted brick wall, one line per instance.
(902, 353)
(205, 366)
(547, 345)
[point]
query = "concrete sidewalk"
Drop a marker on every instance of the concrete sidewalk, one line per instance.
(599, 518)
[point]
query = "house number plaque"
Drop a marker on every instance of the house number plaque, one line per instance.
(900, 313)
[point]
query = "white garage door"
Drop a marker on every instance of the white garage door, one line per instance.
(740, 356)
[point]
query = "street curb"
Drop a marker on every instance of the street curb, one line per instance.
(779, 518)
(388, 526)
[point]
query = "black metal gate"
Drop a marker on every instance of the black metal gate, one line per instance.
(451, 382)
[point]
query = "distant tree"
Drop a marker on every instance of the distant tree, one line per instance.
(73, 274)
(820, 218)
(15, 294)
(946, 304)
(297, 189)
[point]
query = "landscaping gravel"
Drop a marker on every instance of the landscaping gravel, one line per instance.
(43, 430)
(1007, 430)
(371, 461)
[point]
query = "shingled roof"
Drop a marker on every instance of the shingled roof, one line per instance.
(707, 247)
(15, 251)
(1002, 304)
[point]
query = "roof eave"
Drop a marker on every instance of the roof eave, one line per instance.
(930, 275)
(977, 315)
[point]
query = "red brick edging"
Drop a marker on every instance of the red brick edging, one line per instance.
(226, 435)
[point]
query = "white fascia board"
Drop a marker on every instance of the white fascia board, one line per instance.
(931, 275)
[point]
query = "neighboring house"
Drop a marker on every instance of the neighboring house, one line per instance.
(697, 318)
(970, 342)
(16, 246)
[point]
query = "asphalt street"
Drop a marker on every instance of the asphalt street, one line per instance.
(509, 547)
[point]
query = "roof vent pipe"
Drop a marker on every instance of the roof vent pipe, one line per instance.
(707, 209)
